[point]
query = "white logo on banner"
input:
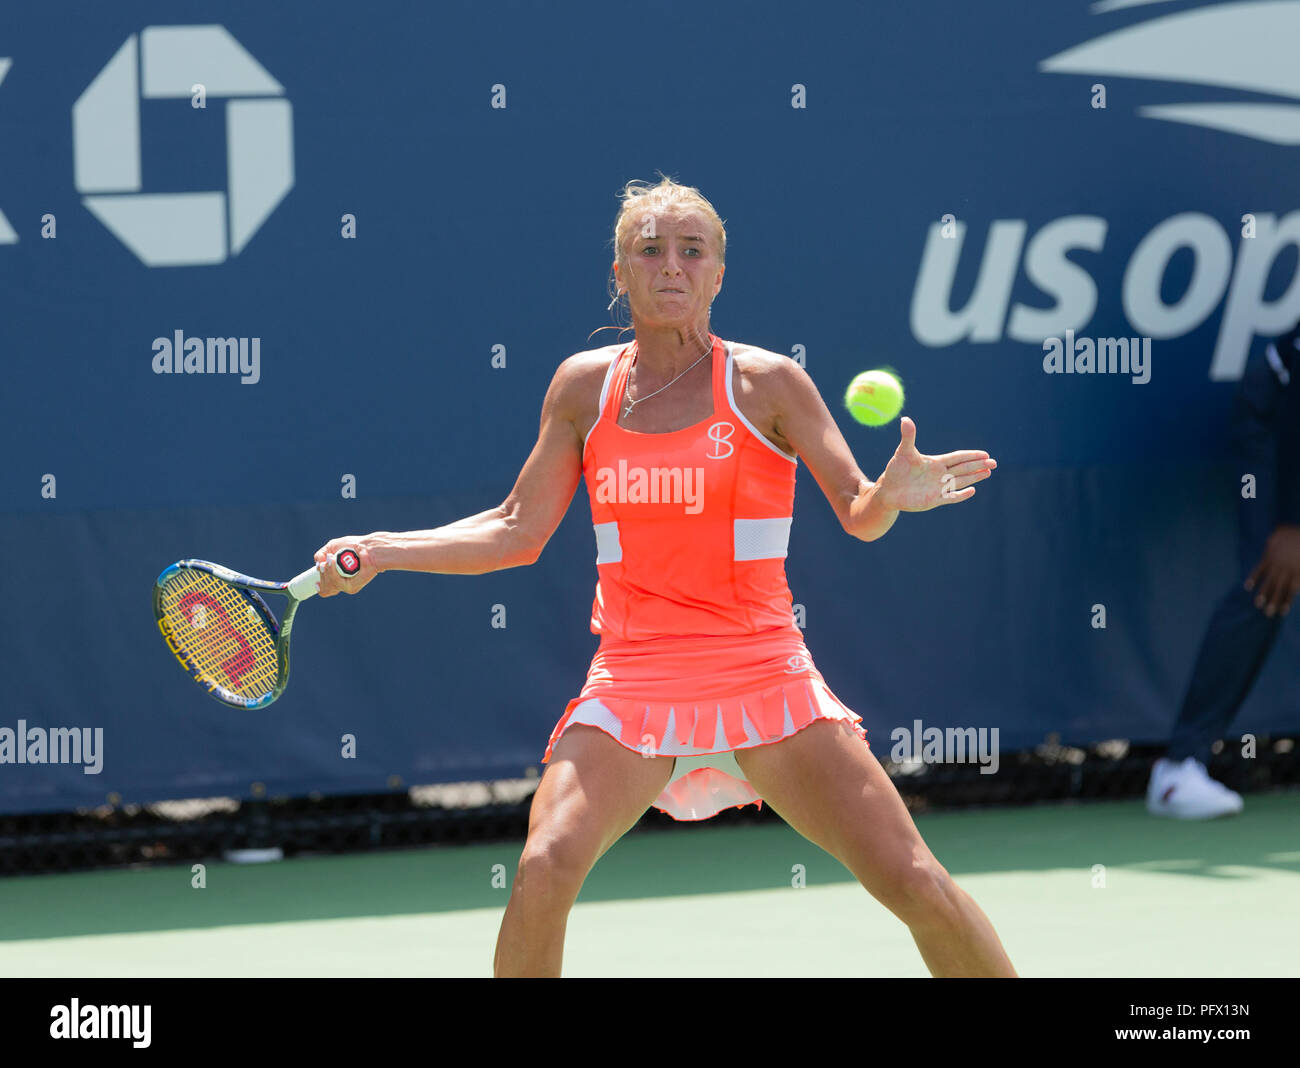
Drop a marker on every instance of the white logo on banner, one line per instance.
(1249, 46)
(183, 229)
(7, 235)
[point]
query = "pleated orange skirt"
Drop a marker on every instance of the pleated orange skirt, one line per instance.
(699, 699)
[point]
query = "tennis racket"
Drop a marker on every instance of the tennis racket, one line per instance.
(215, 622)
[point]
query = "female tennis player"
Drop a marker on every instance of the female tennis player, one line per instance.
(702, 694)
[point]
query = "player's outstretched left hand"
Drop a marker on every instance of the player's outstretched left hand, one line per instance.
(914, 482)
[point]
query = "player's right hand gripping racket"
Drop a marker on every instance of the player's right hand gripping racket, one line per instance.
(223, 633)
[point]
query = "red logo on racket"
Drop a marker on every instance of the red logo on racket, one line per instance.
(215, 639)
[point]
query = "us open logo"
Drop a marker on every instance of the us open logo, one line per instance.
(1239, 47)
(1189, 47)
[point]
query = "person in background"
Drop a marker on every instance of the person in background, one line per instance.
(1248, 618)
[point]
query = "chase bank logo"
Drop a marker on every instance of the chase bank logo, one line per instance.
(1243, 46)
(183, 229)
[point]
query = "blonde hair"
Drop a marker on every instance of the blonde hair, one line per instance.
(665, 198)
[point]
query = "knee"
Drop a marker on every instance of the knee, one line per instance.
(920, 891)
(551, 870)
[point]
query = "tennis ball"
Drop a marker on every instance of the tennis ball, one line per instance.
(874, 397)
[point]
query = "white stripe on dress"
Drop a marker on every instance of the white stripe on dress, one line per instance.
(761, 539)
(608, 549)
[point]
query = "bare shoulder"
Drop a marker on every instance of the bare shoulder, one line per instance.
(590, 363)
(758, 363)
(575, 375)
(762, 384)
(772, 374)
(577, 385)
(763, 380)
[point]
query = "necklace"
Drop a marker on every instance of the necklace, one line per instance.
(633, 403)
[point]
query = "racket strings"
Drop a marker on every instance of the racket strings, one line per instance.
(220, 633)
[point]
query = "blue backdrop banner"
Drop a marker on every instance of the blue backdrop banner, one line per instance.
(387, 226)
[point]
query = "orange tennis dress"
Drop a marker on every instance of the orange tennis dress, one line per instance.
(699, 651)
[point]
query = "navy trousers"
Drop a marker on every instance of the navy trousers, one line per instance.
(1239, 636)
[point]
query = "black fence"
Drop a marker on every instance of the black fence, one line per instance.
(201, 829)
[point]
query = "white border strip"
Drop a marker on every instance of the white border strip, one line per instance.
(595, 713)
(731, 402)
(604, 394)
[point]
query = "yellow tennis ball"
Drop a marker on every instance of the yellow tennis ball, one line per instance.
(874, 397)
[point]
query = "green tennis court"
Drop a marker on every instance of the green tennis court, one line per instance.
(1171, 899)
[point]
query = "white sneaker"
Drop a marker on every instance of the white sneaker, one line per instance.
(1185, 791)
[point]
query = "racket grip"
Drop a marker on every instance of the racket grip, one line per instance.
(346, 562)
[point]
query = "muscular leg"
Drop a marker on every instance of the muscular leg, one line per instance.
(826, 783)
(592, 792)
